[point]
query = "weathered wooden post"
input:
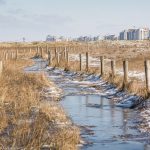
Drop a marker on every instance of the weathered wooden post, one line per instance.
(49, 58)
(6, 56)
(41, 52)
(58, 59)
(17, 53)
(1, 67)
(80, 58)
(62, 53)
(113, 68)
(37, 50)
(67, 58)
(47, 49)
(87, 62)
(147, 74)
(125, 70)
(55, 52)
(102, 65)
(65, 53)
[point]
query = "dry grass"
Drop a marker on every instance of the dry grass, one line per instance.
(117, 80)
(135, 51)
(132, 87)
(27, 121)
(135, 86)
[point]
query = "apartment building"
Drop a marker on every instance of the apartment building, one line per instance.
(135, 34)
(123, 35)
(143, 34)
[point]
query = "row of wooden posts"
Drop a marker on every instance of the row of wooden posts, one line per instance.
(102, 67)
(65, 53)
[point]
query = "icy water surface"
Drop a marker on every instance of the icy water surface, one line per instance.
(103, 125)
(106, 126)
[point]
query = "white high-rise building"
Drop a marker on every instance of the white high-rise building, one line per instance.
(142, 34)
(135, 34)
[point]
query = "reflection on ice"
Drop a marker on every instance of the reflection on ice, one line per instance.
(111, 126)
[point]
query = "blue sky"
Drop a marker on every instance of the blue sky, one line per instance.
(34, 19)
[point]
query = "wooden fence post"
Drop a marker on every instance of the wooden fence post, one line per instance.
(147, 74)
(37, 50)
(102, 65)
(87, 61)
(6, 56)
(125, 70)
(41, 52)
(55, 51)
(67, 58)
(113, 68)
(49, 58)
(65, 53)
(58, 59)
(17, 53)
(80, 57)
(47, 49)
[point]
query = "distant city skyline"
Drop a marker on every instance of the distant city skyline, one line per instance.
(35, 19)
(126, 34)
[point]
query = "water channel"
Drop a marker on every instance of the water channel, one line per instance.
(104, 126)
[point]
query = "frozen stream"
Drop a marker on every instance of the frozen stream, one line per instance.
(103, 125)
(106, 126)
